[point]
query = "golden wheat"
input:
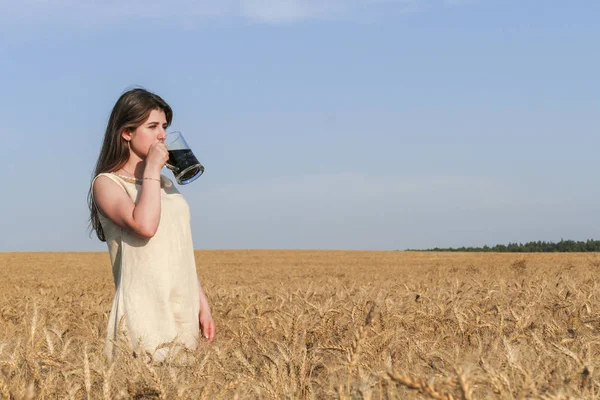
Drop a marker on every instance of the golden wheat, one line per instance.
(317, 324)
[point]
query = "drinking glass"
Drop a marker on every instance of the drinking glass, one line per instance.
(182, 162)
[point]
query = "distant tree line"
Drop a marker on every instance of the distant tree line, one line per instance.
(567, 246)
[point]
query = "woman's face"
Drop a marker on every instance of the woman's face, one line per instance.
(149, 132)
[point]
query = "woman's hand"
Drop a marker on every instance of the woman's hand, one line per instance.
(157, 157)
(207, 325)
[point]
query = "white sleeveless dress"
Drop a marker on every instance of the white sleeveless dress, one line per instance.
(156, 283)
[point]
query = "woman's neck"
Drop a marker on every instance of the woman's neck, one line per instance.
(134, 167)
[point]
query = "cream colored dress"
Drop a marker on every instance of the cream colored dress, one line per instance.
(156, 284)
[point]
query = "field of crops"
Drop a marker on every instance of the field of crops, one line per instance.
(318, 324)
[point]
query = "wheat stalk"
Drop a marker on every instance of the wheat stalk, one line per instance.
(63, 353)
(420, 386)
(205, 391)
(157, 381)
(72, 391)
(4, 392)
(271, 392)
(49, 342)
(463, 384)
(9, 364)
(495, 381)
(228, 387)
(49, 359)
(34, 321)
(106, 377)
(33, 366)
(86, 372)
(569, 353)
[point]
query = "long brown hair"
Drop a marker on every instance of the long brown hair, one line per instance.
(129, 112)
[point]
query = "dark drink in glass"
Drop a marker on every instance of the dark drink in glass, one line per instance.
(182, 161)
(184, 164)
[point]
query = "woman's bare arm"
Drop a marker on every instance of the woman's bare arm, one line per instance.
(113, 202)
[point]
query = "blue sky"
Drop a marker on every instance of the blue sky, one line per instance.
(322, 124)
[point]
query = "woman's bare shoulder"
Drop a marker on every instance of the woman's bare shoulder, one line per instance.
(107, 182)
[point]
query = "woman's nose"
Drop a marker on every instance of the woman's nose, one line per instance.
(162, 135)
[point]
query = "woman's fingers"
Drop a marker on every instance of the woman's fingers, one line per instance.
(207, 327)
(208, 330)
(211, 331)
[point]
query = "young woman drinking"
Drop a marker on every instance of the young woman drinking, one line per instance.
(145, 222)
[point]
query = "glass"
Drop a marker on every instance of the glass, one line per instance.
(182, 162)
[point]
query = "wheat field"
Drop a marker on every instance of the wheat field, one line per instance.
(317, 325)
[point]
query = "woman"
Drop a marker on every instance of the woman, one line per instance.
(145, 222)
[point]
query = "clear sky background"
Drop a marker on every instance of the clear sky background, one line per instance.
(349, 124)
